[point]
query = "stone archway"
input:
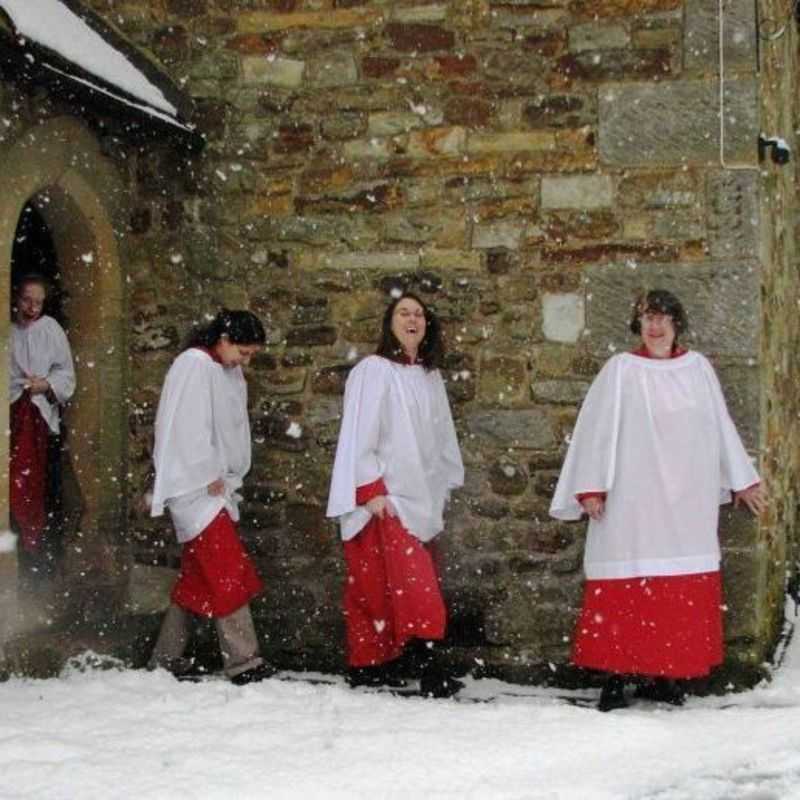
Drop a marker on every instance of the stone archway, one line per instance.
(59, 167)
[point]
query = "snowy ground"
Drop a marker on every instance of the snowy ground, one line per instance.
(140, 736)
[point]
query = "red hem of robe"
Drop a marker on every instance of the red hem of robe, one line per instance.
(368, 491)
(391, 594)
(217, 576)
(28, 471)
(664, 626)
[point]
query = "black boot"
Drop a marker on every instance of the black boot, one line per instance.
(378, 675)
(253, 675)
(662, 690)
(436, 679)
(613, 694)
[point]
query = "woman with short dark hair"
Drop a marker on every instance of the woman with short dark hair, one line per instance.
(653, 454)
(201, 455)
(396, 462)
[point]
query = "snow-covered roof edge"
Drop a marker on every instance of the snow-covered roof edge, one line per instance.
(73, 42)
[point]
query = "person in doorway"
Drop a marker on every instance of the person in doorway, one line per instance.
(397, 461)
(653, 454)
(42, 380)
(202, 453)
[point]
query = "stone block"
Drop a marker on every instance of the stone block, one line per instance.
(709, 292)
(592, 36)
(377, 261)
(346, 125)
(577, 191)
(502, 379)
(286, 73)
(677, 123)
(660, 189)
(616, 65)
(733, 214)
(265, 21)
(333, 69)
(561, 111)
(434, 142)
(520, 428)
(428, 13)
(743, 578)
(504, 235)
(512, 142)
(419, 37)
(393, 123)
(701, 36)
(508, 478)
(563, 317)
(608, 9)
(559, 392)
(378, 149)
(455, 260)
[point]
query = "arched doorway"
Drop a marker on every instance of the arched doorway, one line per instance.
(60, 187)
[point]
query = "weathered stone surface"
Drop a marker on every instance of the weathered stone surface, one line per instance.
(333, 69)
(505, 235)
(592, 36)
(562, 392)
(529, 430)
(677, 123)
(419, 37)
(616, 65)
(508, 478)
(578, 191)
(434, 142)
(563, 317)
(286, 73)
(502, 379)
(701, 37)
(511, 142)
(733, 219)
(560, 111)
(708, 292)
(392, 123)
(660, 189)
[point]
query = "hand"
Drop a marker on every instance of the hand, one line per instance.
(594, 506)
(379, 506)
(216, 488)
(37, 385)
(754, 497)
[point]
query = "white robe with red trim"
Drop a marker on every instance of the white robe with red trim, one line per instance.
(202, 433)
(656, 436)
(41, 349)
(396, 425)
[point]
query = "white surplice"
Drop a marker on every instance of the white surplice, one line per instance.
(202, 433)
(41, 349)
(656, 436)
(396, 426)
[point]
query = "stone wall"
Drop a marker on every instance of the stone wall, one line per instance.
(527, 167)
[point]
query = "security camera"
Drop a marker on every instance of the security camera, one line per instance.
(781, 152)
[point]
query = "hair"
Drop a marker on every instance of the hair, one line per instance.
(24, 280)
(240, 327)
(662, 302)
(431, 348)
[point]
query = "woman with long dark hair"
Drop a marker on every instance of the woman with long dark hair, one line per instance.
(396, 462)
(202, 453)
(653, 454)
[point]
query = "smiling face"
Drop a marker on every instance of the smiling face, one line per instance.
(658, 333)
(30, 302)
(408, 325)
(235, 355)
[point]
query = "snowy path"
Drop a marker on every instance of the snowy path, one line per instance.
(141, 736)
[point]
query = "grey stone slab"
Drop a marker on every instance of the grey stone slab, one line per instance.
(528, 429)
(701, 36)
(733, 214)
(721, 300)
(677, 123)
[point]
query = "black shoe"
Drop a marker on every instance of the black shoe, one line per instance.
(437, 685)
(253, 675)
(613, 694)
(662, 690)
(376, 676)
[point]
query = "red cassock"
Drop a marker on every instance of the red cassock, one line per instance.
(392, 592)
(665, 626)
(28, 471)
(217, 576)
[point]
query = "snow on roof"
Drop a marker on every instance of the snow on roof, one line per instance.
(51, 24)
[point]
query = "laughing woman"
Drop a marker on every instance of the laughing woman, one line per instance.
(396, 462)
(653, 454)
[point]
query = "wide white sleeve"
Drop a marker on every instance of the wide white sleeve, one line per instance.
(591, 457)
(357, 463)
(61, 375)
(736, 467)
(450, 451)
(184, 455)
